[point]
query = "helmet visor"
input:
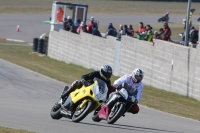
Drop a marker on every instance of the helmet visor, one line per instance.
(138, 78)
(106, 75)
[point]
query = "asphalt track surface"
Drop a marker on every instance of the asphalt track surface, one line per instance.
(26, 98)
(31, 24)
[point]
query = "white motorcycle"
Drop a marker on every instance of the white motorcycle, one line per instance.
(116, 106)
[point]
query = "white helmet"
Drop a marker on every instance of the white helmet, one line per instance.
(137, 75)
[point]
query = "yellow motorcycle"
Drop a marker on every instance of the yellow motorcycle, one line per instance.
(81, 101)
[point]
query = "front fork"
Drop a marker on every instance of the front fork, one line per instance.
(112, 99)
(83, 103)
(115, 106)
(113, 102)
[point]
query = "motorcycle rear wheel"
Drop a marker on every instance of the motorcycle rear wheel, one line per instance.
(95, 116)
(78, 116)
(55, 111)
(114, 116)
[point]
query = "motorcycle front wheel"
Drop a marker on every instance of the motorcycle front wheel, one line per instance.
(55, 111)
(114, 116)
(80, 114)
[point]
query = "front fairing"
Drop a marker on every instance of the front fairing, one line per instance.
(128, 92)
(100, 90)
(96, 91)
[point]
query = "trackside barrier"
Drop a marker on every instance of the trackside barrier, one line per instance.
(166, 65)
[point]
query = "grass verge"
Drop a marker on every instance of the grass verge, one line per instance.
(100, 6)
(153, 98)
(11, 130)
(11, 42)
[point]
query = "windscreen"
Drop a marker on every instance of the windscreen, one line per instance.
(131, 91)
(102, 86)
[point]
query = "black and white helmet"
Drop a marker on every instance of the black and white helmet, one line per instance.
(137, 75)
(106, 72)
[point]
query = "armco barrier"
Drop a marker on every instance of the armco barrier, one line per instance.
(166, 65)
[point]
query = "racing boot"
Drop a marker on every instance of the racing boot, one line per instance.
(66, 106)
(65, 112)
(72, 88)
(64, 90)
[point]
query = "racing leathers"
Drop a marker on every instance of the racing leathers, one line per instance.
(134, 87)
(87, 80)
(96, 74)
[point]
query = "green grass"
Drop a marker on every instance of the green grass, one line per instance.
(153, 98)
(99, 6)
(11, 130)
(42, 64)
(171, 103)
(11, 42)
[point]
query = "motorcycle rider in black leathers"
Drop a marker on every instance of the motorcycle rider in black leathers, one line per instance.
(104, 74)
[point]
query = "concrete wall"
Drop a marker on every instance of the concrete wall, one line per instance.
(85, 50)
(166, 65)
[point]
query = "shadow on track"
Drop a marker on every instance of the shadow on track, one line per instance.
(159, 130)
(126, 127)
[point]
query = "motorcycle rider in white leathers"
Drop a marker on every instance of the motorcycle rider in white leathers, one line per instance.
(134, 81)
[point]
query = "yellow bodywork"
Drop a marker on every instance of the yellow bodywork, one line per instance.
(85, 93)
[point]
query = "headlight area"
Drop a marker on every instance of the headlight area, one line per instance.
(98, 95)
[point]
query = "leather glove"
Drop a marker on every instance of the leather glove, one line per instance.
(116, 87)
(85, 82)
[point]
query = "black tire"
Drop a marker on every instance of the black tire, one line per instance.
(95, 116)
(35, 39)
(40, 45)
(55, 112)
(35, 44)
(117, 114)
(87, 109)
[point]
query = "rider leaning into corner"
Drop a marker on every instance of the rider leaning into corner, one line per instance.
(104, 74)
(134, 81)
